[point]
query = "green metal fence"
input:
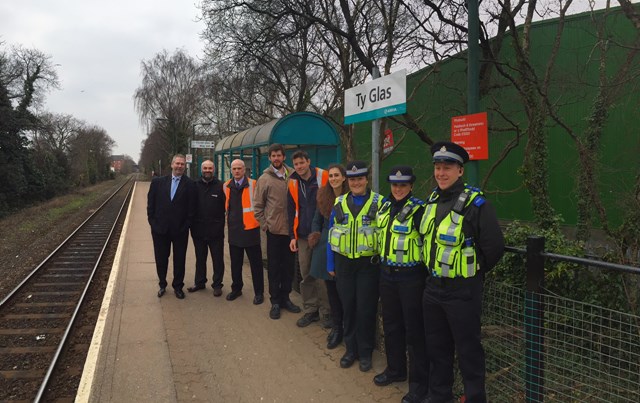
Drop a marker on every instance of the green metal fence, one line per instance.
(544, 347)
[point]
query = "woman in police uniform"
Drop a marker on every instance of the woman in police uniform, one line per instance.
(462, 241)
(402, 277)
(353, 258)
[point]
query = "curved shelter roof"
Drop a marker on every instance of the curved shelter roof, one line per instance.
(296, 128)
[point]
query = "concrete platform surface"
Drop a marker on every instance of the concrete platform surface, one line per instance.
(205, 348)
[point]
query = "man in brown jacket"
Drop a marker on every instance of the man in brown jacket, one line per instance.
(270, 210)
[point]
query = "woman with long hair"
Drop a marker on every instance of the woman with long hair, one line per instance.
(318, 240)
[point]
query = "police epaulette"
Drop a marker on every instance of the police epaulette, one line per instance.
(473, 188)
(415, 200)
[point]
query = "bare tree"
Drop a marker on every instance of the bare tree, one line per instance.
(172, 89)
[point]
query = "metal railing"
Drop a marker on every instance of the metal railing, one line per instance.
(545, 347)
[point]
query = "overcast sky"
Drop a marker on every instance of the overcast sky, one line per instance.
(99, 45)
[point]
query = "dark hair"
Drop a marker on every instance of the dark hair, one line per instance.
(275, 147)
(326, 197)
(300, 154)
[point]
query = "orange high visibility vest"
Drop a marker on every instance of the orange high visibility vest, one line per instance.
(248, 219)
(322, 177)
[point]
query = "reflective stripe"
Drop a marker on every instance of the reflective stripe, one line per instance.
(453, 257)
(248, 218)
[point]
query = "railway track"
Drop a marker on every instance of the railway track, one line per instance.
(37, 317)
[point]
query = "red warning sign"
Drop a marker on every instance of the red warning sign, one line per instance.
(470, 131)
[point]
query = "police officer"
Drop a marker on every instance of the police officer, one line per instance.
(353, 258)
(462, 241)
(402, 277)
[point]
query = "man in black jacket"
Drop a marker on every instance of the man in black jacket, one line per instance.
(170, 207)
(207, 230)
(244, 232)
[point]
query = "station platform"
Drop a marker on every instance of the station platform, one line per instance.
(205, 348)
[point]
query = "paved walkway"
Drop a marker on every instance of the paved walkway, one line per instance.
(207, 349)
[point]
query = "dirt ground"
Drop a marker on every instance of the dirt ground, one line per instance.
(30, 235)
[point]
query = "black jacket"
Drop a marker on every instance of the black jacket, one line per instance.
(166, 215)
(208, 222)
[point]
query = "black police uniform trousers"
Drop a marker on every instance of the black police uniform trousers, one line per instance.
(357, 281)
(280, 267)
(334, 303)
(162, 244)
(254, 254)
(451, 310)
(202, 248)
(401, 296)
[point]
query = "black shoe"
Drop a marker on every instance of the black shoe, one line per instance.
(258, 299)
(179, 294)
(386, 378)
(291, 307)
(274, 313)
(347, 359)
(196, 287)
(413, 398)
(335, 338)
(161, 292)
(217, 292)
(233, 295)
(365, 364)
(308, 318)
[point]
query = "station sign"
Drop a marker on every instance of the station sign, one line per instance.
(379, 98)
(470, 131)
(203, 144)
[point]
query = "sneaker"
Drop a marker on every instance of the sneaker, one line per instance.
(308, 318)
(327, 321)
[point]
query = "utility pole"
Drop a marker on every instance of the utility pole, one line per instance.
(473, 78)
(375, 144)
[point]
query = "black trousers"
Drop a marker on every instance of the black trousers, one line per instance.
(451, 310)
(334, 303)
(203, 247)
(401, 297)
(358, 289)
(280, 267)
(254, 254)
(162, 244)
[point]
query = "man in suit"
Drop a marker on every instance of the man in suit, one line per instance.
(207, 229)
(171, 204)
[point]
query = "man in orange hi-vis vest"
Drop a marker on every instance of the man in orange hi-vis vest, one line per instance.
(243, 232)
(301, 206)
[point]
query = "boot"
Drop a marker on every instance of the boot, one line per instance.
(335, 338)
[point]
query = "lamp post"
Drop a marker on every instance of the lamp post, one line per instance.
(193, 131)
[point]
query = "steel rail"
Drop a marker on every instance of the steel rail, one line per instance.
(63, 339)
(46, 260)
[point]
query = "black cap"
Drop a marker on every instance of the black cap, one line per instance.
(356, 168)
(446, 151)
(401, 174)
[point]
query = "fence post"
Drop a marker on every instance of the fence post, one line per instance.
(534, 321)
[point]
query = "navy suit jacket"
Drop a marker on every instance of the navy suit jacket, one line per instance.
(171, 216)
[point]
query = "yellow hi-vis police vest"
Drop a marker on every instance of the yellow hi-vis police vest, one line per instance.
(400, 243)
(355, 237)
(455, 256)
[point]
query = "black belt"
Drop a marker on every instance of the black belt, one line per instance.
(444, 281)
(399, 269)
